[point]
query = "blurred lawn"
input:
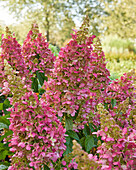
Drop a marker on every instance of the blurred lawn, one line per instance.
(117, 69)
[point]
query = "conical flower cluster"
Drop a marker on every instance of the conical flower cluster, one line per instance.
(79, 77)
(38, 135)
(11, 53)
(36, 52)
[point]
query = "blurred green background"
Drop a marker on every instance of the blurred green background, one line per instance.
(114, 21)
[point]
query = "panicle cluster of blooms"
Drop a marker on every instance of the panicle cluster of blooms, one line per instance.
(33, 56)
(122, 89)
(38, 135)
(118, 129)
(84, 160)
(79, 78)
(118, 150)
(11, 53)
(36, 52)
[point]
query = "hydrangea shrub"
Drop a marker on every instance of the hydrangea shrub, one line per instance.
(64, 111)
(38, 135)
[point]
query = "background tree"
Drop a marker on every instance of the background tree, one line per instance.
(65, 30)
(56, 16)
(1, 31)
(21, 30)
(92, 8)
(119, 17)
(47, 13)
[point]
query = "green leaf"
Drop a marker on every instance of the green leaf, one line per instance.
(10, 132)
(73, 135)
(67, 140)
(68, 123)
(89, 143)
(3, 119)
(41, 91)
(35, 84)
(46, 78)
(41, 77)
(2, 126)
(54, 49)
(82, 141)
(2, 98)
(3, 167)
(69, 148)
(86, 130)
(1, 106)
(3, 154)
(46, 167)
(1, 145)
(106, 106)
(91, 127)
(5, 163)
(7, 103)
(37, 56)
(113, 102)
(69, 145)
(4, 147)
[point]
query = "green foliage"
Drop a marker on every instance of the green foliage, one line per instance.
(38, 81)
(41, 77)
(86, 130)
(83, 137)
(3, 126)
(113, 102)
(72, 135)
(1, 106)
(114, 76)
(41, 91)
(46, 167)
(3, 167)
(5, 132)
(4, 151)
(69, 145)
(89, 143)
(68, 123)
(54, 49)
(35, 84)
